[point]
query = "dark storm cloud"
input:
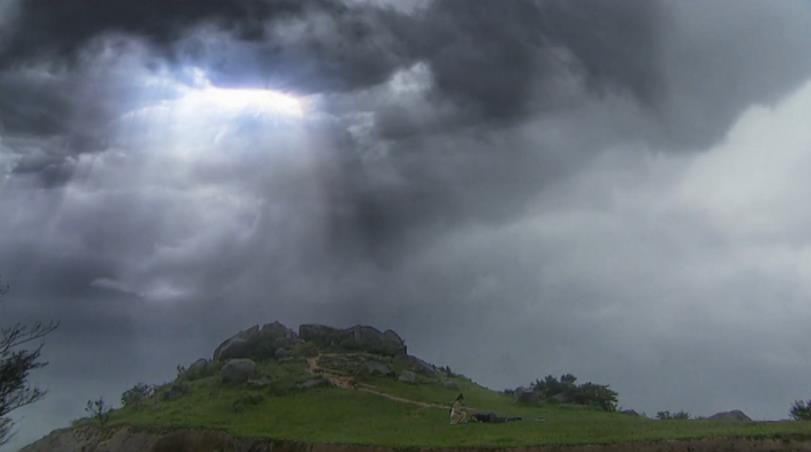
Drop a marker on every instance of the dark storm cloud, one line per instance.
(352, 51)
(502, 72)
(498, 181)
(46, 29)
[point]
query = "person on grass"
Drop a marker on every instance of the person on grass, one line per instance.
(461, 415)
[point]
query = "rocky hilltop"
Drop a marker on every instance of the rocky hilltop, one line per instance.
(274, 341)
(327, 389)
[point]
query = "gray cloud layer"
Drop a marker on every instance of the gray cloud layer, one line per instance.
(519, 188)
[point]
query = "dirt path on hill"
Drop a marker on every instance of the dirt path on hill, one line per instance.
(347, 382)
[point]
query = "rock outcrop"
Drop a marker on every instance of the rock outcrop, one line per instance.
(197, 369)
(417, 365)
(731, 416)
(407, 376)
(237, 371)
(355, 339)
(270, 341)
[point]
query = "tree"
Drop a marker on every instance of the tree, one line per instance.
(98, 410)
(16, 364)
(668, 416)
(137, 395)
(801, 411)
(566, 390)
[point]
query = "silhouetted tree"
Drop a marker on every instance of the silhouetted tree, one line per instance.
(16, 363)
(566, 390)
(99, 410)
(668, 416)
(801, 411)
(137, 395)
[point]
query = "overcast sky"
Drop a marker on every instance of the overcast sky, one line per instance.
(615, 189)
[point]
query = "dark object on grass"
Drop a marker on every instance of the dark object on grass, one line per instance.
(461, 415)
(493, 418)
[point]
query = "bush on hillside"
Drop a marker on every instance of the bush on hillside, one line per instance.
(668, 416)
(98, 410)
(801, 411)
(305, 349)
(247, 401)
(136, 395)
(566, 390)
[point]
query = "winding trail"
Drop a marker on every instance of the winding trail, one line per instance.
(344, 381)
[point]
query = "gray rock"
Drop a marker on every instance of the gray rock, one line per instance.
(378, 368)
(629, 412)
(526, 396)
(450, 384)
(313, 383)
(357, 338)
(197, 369)
(343, 363)
(731, 416)
(257, 343)
(417, 365)
(407, 376)
(237, 371)
(259, 383)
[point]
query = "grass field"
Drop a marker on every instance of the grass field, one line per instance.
(333, 415)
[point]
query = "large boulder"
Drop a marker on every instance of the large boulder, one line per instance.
(315, 382)
(269, 341)
(356, 339)
(731, 416)
(237, 371)
(197, 369)
(407, 376)
(378, 368)
(417, 365)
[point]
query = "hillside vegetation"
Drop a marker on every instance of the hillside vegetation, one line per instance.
(359, 386)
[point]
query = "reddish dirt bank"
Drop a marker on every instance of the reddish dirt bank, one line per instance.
(89, 439)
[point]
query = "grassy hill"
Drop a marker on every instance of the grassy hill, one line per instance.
(361, 408)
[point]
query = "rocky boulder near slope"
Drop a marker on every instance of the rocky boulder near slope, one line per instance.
(357, 338)
(266, 342)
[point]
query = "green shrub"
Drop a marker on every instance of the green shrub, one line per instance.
(98, 410)
(801, 411)
(247, 401)
(136, 395)
(566, 390)
(668, 416)
(306, 349)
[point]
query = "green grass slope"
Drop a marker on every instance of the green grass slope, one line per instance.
(352, 416)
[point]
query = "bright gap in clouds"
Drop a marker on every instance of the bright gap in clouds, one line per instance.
(202, 94)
